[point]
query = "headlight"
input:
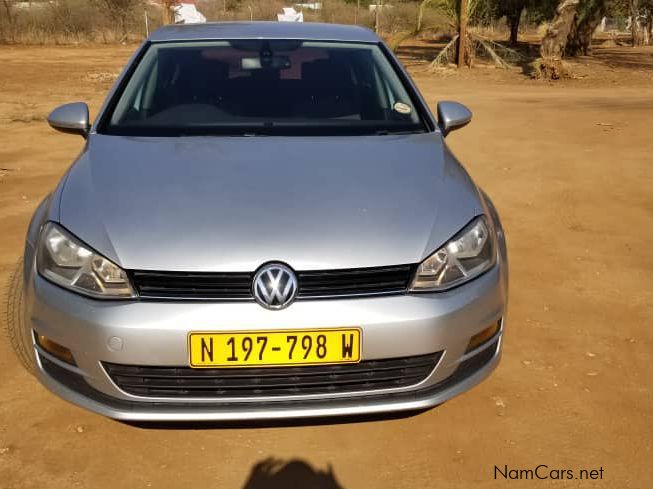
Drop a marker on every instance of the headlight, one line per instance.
(65, 261)
(467, 255)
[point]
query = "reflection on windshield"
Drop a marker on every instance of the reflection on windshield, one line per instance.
(263, 87)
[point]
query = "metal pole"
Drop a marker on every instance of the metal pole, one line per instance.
(147, 26)
(377, 12)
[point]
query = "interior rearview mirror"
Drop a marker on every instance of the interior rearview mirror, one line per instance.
(452, 116)
(71, 118)
(265, 62)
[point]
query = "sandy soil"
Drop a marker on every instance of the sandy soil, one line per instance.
(570, 167)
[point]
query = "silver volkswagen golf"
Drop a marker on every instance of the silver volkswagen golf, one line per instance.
(264, 222)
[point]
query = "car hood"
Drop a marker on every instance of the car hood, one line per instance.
(234, 203)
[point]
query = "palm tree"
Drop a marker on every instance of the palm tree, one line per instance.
(466, 42)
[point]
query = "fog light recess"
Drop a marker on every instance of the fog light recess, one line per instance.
(55, 349)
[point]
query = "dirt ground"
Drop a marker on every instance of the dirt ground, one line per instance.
(570, 168)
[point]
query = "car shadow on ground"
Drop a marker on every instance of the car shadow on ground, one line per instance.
(274, 423)
(272, 473)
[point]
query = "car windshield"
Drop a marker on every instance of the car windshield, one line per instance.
(262, 87)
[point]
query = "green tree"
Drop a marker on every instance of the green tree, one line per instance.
(512, 10)
(641, 23)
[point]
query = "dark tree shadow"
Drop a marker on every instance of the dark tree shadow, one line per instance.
(426, 50)
(631, 59)
(272, 473)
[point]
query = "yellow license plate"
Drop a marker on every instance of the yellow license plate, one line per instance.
(274, 348)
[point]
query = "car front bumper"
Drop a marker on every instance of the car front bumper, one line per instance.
(153, 333)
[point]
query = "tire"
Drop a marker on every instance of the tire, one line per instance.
(14, 323)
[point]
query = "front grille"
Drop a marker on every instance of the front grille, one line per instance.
(274, 381)
(238, 286)
(363, 281)
(227, 286)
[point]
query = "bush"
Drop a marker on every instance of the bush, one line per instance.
(74, 21)
(71, 21)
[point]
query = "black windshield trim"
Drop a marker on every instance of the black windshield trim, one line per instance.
(249, 130)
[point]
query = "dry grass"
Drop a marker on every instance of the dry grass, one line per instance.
(83, 21)
(79, 21)
(70, 22)
(101, 77)
(24, 115)
(28, 118)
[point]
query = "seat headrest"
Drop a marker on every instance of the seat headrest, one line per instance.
(326, 71)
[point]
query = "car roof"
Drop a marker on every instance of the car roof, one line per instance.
(264, 30)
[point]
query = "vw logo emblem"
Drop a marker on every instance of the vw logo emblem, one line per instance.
(275, 286)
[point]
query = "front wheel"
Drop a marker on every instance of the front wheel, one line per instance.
(15, 318)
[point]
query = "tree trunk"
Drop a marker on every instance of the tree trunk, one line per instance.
(123, 27)
(579, 41)
(168, 15)
(647, 27)
(420, 16)
(555, 40)
(2, 24)
(8, 8)
(586, 31)
(573, 39)
(462, 33)
(635, 27)
(513, 20)
(377, 16)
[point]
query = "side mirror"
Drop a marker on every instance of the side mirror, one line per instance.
(71, 118)
(452, 116)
